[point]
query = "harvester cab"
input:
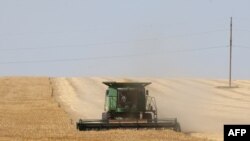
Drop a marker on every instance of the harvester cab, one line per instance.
(129, 101)
(128, 105)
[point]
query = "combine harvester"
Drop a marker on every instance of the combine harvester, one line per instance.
(128, 105)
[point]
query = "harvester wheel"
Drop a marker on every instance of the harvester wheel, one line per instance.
(147, 116)
(177, 127)
(105, 116)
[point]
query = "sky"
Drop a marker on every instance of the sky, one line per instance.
(147, 38)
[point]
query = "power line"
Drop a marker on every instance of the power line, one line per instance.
(242, 46)
(241, 18)
(115, 42)
(242, 29)
(197, 33)
(96, 28)
(199, 49)
(80, 46)
(108, 57)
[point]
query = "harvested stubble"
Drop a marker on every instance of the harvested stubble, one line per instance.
(28, 111)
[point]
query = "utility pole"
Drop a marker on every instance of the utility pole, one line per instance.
(230, 55)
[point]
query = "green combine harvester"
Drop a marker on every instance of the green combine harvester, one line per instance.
(128, 105)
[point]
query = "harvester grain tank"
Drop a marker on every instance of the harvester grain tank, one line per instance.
(128, 105)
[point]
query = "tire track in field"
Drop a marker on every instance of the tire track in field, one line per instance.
(238, 92)
(226, 106)
(91, 96)
(213, 93)
(225, 92)
(212, 90)
(201, 93)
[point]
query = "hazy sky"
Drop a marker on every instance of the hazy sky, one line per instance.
(124, 38)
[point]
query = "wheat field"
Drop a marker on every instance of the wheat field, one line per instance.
(42, 108)
(201, 105)
(33, 108)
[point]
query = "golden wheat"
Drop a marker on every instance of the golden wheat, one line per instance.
(29, 111)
